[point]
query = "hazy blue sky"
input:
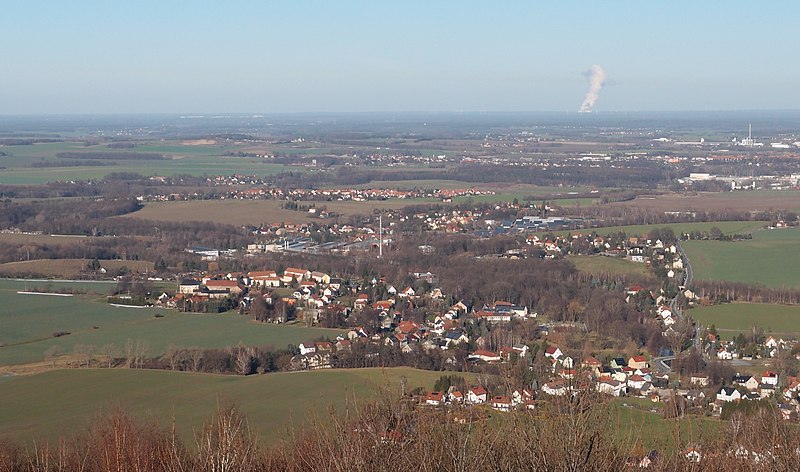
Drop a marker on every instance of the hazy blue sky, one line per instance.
(294, 56)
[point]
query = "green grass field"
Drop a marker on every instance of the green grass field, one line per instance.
(28, 322)
(609, 265)
(741, 317)
(770, 258)
(275, 404)
(637, 424)
(64, 401)
(186, 159)
(727, 227)
(67, 268)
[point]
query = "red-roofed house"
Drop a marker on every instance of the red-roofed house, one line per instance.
(553, 352)
(493, 317)
(521, 395)
(434, 398)
(476, 395)
(362, 300)
(636, 381)
(638, 362)
(455, 396)
(407, 327)
(769, 378)
(486, 356)
(383, 304)
(555, 387)
(501, 403)
(296, 274)
(264, 278)
(231, 286)
(592, 365)
(407, 292)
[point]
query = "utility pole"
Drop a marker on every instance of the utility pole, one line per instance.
(380, 236)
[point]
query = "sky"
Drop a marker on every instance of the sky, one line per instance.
(178, 56)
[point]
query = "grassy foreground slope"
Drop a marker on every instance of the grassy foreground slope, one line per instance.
(61, 402)
(64, 401)
(770, 258)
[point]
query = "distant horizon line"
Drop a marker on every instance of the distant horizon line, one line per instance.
(197, 115)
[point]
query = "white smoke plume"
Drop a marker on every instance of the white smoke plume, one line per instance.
(597, 78)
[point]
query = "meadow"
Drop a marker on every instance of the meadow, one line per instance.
(727, 227)
(274, 403)
(185, 159)
(29, 321)
(637, 425)
(770, 258)
(66, 268)
(235, 212)
(51, 240)
(257, 212)
(743, 200)
(731, 319)
(609, 265)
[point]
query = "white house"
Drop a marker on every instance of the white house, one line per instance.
(501, 403)
(769, 378)
(555, 388)
(747, 381)
(724, 355)
(636, 382)
(728, 394)
(486, 356)
(610, 387)
(476, 395)
(553, 352)
(699, 379)
(307, 348)
(455, 396)
(408, 292)
(521, 395)
(434, 398)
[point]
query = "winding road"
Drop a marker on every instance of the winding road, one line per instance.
(661, 362)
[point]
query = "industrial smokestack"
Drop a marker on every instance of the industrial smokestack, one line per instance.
(597, 78)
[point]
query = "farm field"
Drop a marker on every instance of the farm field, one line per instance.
(102, 287)
(28, 322)
(66, 268)
(609, 265)
(731, 319)
(186, 159)
(235, 212)
(749, 200)
(499, 187)
(727, 227)
(273, 403)
(256, 212)
(770, 258)
(574, 202)
(62, 240)
(351, 208)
